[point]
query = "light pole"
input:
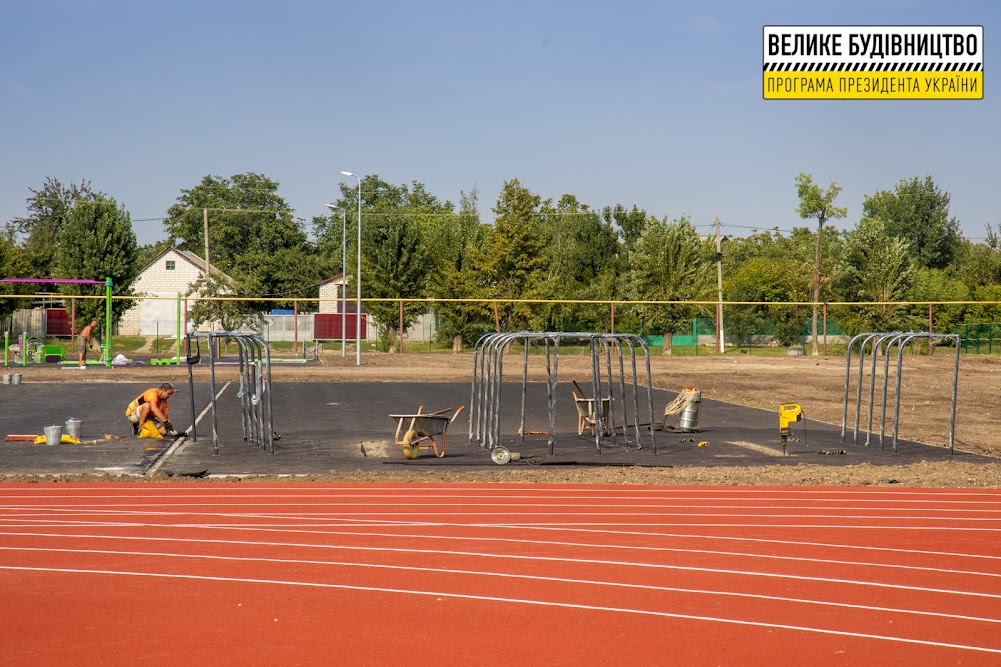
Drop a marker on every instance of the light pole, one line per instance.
(357, 279)
(344, 277)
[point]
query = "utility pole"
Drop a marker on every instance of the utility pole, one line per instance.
(719, 288)
(205, 217)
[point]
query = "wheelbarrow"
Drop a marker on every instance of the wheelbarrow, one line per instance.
(422, 429)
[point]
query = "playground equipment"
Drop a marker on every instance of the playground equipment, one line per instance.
(488, 368)
(255, 386)
(106, 340)
(885, 342)
(423, 427)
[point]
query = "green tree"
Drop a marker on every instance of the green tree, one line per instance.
(819, 204)
(96, 241)
(13, 264)
(396, 219)
(253, 236)
(223, 315)
(979, 264)
(766, 267)
(629, 222)
(671, 263)
(875, 267)
(516, 252)
(918, 212)
(457, 260)
(39, 229)
(582, 259)
(983, 310)
(937, 285)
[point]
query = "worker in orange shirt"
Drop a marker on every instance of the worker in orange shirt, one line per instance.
(151, 407)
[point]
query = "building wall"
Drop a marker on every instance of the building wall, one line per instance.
(330, 298)
(152, 316)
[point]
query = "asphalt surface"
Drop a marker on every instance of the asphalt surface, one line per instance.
(346, 426)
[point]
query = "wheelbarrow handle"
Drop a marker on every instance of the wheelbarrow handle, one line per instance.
(461, 408)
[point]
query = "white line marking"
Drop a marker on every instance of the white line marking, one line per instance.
(507, 600)
(520, 557)
(511, 575)
(301, 530)
(547, 508)
(501, 491)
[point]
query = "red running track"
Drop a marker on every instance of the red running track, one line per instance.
(217, 573)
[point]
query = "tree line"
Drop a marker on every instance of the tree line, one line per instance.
(905, 247)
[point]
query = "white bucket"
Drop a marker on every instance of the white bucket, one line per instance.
(53, 435)
(7, 378)
(16, 378)
(73, 427)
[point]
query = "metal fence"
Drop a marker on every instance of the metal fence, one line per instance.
(745, 324)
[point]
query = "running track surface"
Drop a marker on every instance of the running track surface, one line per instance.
(223, 573)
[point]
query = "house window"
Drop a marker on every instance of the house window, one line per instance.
(170, 265)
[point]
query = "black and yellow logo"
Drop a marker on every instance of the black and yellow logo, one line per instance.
(873, 62)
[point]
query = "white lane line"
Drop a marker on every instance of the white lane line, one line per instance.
(577, 525)
(512, 575)
(370, 516)
(550, 508)
(492, 510)
(329, 529)
(584, 545)
(576, 561)
(207, 494)
(512, 491)
(511, 600)
(600, 546)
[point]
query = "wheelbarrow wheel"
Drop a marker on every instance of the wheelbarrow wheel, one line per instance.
(411, 444)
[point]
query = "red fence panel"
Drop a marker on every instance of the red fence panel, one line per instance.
(327, 326)
(57, 322)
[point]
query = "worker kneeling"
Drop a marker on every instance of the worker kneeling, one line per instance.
(149, 412)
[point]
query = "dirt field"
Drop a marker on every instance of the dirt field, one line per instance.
(816, 383)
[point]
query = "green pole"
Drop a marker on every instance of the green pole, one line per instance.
(6, 346)
(178, 355)
(107, 321)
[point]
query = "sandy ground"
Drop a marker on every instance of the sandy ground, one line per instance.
(816, 383)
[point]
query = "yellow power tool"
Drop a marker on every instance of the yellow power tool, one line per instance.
(788, 414)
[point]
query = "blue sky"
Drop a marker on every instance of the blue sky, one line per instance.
(656, 104)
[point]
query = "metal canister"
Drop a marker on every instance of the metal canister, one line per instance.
(688, 421)
(73, 427)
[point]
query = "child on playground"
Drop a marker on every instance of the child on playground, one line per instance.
(149, 412)
(86, 340)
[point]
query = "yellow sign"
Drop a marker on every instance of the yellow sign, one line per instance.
(873, 62)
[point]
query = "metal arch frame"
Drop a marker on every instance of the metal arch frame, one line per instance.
(257, 413)
(890, 339)
(487, 380)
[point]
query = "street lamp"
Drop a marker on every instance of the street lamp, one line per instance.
(357, 279)
(344, 276)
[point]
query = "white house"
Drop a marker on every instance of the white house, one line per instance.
(330, 294)
(172, 272)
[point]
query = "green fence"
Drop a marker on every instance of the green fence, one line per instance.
(979, 337)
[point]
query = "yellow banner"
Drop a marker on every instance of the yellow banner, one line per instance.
(874, 85)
